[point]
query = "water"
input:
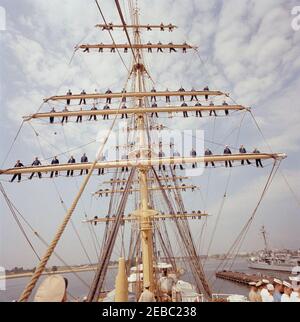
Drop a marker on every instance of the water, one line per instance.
(77, 289)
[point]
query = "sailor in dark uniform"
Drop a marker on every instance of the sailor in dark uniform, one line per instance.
(52, 117)
(206, 89)
(168, 97)
(153, 98)
(172, 49)
(161, 154)
(258, 161)
(208, 153)
(243, 151)
(79, 117)
(54, 161)
(149, 49)
(227, 151)
(198, 113)
(106, 116)
(17, 165)
(154, 105)
(69, 94)
(65, 118)
(36, 163)
(124, 107)
(185, 113)
(71, 172)
(94, 108)
(194, 155)
(124, 97)
(125, 157)
(84, 159)
(82, 100)
(181, 89)
(212, 111)
(226, 111)
(159, 49)
(194, 96)
(108, 100)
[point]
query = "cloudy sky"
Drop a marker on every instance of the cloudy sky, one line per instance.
(246, 48)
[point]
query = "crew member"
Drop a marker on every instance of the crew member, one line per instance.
(154, 105)
(125, 157)
(108, 100)
(94, 108)
(227, 151)
(287, 291)
(253, 292)
(161, 154)
(176, 154)
(106, 116)
(206, 89)
(52, 117)
(198, 113)
(243, 151)
(149, 48)
(147, 295)
(168, 100)
(258, 161)
(185, 113)
(278, 290)
(212, 111)
(194, 155)
(69, 94)
(172, 49)
(124, 107)
(71, 172)
(181, 89)
(226, 110)
(194, 96)
(17, 165)
(84, 159)
(153, 98)
(65, 117)
(82, 100)
(208, 153)
(54, 161)
(36, 163)
(159, 49)
(79, 117)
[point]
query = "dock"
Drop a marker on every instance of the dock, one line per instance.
(242, 278)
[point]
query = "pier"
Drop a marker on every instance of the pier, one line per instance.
(242, 278)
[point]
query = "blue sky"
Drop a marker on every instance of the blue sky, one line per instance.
(247, 48)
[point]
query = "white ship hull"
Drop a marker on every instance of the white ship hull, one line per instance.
(272, 267)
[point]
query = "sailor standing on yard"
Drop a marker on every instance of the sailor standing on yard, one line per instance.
(84, 159)
(227, 151)
(147, 295)
(54, 162)
(36, 163)
(17, 165)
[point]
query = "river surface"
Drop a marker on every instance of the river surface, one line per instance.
(78, 289)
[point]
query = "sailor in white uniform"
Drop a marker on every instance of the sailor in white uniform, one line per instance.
(278, 289)
(295, 295)
(264, 292)
(269, 297)
(286, 296)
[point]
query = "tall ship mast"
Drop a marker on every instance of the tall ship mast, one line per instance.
(143, 171)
